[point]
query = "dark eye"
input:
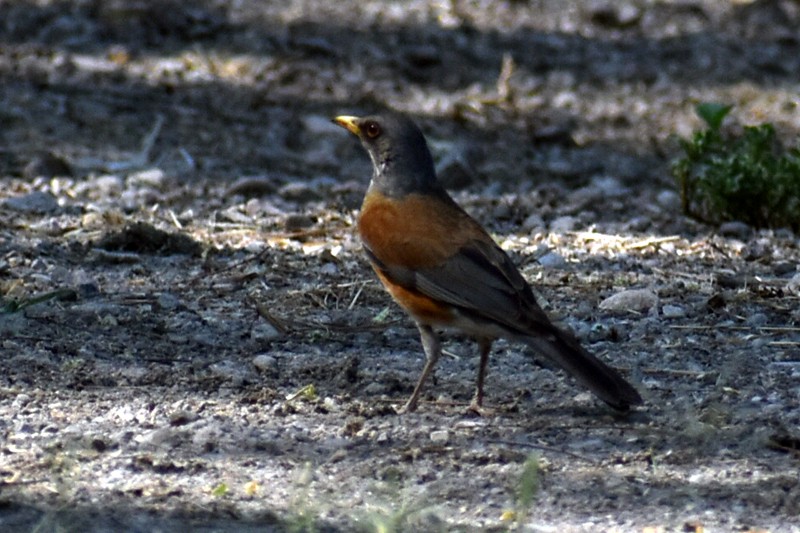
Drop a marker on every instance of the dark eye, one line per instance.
(372, 130)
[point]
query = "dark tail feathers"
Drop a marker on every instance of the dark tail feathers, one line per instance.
(597, 376)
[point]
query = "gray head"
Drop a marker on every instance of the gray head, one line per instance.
(401, 161)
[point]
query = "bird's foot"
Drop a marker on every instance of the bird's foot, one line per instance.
(409, 407)
(476, 407)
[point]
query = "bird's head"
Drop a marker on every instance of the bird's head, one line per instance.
(401, 161)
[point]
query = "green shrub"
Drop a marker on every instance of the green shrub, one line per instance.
(751, 178)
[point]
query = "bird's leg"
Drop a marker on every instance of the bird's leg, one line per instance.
(476, 406)
(433, 349)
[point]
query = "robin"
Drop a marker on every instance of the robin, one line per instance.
(445, 270)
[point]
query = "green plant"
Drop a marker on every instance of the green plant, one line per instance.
(751, 177)
(526, 490)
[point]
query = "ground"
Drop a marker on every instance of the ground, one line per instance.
(193, 340)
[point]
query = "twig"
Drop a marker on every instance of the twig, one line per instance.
(355, 298)
(652, 241)
(677, 372)
(541, 447)
(778, 329)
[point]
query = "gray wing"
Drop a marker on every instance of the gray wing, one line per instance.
(481, 280)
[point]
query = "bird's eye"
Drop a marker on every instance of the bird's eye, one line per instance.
(372, 130)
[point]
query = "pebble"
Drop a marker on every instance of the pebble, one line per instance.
(532, 223)
(735, 229)
(329, 269)
(757, 320)
(36, 202)
(609, 186)
(673, 311)
(669, 200)
(153, 177)
(101, 186)
(236, 373)
(784, 268)
(423, 55)
(563, 224)
(630, 300)
(639, 223)
(264, 362)
(502, 211)
(168, 301)
(249, 186)
(46, 166)
(299, 192)
(165, 436)
(297, 221)
(182, 417)
(264, 331)
(552, 260)
(794, 284)
(440, 435)
(615, 14)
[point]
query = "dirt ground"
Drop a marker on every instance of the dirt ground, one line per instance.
(191, 339)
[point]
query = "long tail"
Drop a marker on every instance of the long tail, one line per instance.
(565, 350)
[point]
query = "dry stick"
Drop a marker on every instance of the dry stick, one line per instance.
(675, 372)
(358, 294)
(787, 329)
(540, 447)
(652, 241)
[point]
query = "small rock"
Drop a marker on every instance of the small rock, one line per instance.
(757, 320)
(168, 301)
(264, 331)
(501, 211)
(423, 55)
(207, 438)
(235, 372)
(46, 166)
(264, 362)
(295, 222)
(615, 15)
(532, 223)
(673, 311)
(36, 202)
(735, 229)
(233, 214)
(794, 284)
(669, 200)
(440, 435)
(165, 436)
(639, 223)
(250, 186)
(630, 300)
(101, 186)
(298, 192)
(153, 177)
(609, 186)
(329, 269)
(552, 260)
(315, 45)
(182, 417)
(784, 268)
(563, 224)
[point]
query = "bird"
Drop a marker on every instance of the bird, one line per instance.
(442, 267)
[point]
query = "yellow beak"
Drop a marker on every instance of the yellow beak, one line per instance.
(349, 123)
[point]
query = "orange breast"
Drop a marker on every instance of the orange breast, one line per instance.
(417, 231)
(420, 307)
